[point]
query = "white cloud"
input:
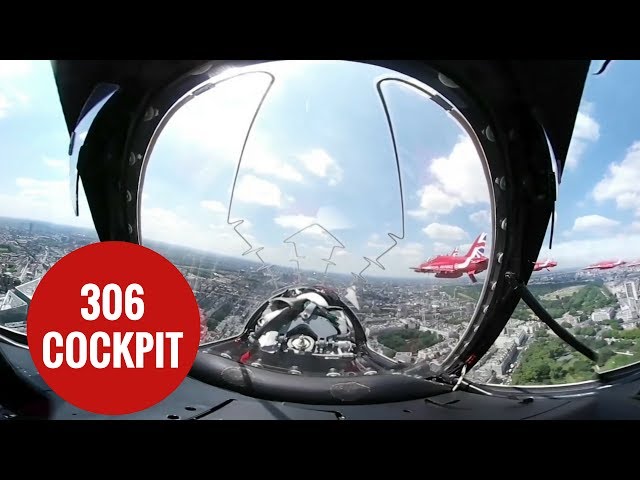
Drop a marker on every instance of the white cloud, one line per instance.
(411, 249)
(213, 206)
(61, 166)
(635, 226)
(4, 105)
(622, 181)
(218, 119)
(583, 252)
(330, 218)
(461, 173)
(9, 100)
(459, 180)
(375, 241)
(434, 200)
(321, 164)
(165, 224)
(593, 223)
(295, 221)
(171, 227)
(398, 259)
(377, 245)
(41, 189)
(586, 127)
(585, 132)
(259, 159)
(321, 237)
(45, 200)
(251, 189)
(222, 224)
(214, 125)
(442, 248)
(11, 74)
(439, 231)
(15, 68)
(418, 213)
(481, 218)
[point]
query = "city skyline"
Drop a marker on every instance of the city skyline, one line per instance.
(170, 247)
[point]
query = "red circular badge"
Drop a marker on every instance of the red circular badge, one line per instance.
(113, 328)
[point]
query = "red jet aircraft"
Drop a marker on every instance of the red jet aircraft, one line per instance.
(454, 266)
(605, 265)
(546, 264)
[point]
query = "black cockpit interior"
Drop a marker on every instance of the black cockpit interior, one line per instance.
(303, 352)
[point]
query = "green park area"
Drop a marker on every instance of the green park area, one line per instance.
(548, 360)
(581, 303)
(576, 298)
(409, 340)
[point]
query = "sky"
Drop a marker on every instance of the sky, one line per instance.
(318, 179)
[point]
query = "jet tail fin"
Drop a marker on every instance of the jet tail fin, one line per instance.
(478, 246)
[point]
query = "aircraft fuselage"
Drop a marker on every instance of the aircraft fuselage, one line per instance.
(453, 267)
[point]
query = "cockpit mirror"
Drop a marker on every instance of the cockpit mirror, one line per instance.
(102, 93)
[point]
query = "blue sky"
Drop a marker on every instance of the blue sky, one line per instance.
(320, 152)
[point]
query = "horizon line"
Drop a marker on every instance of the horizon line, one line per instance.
(240, 257)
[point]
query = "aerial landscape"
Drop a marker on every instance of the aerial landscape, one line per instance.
(411, 320)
